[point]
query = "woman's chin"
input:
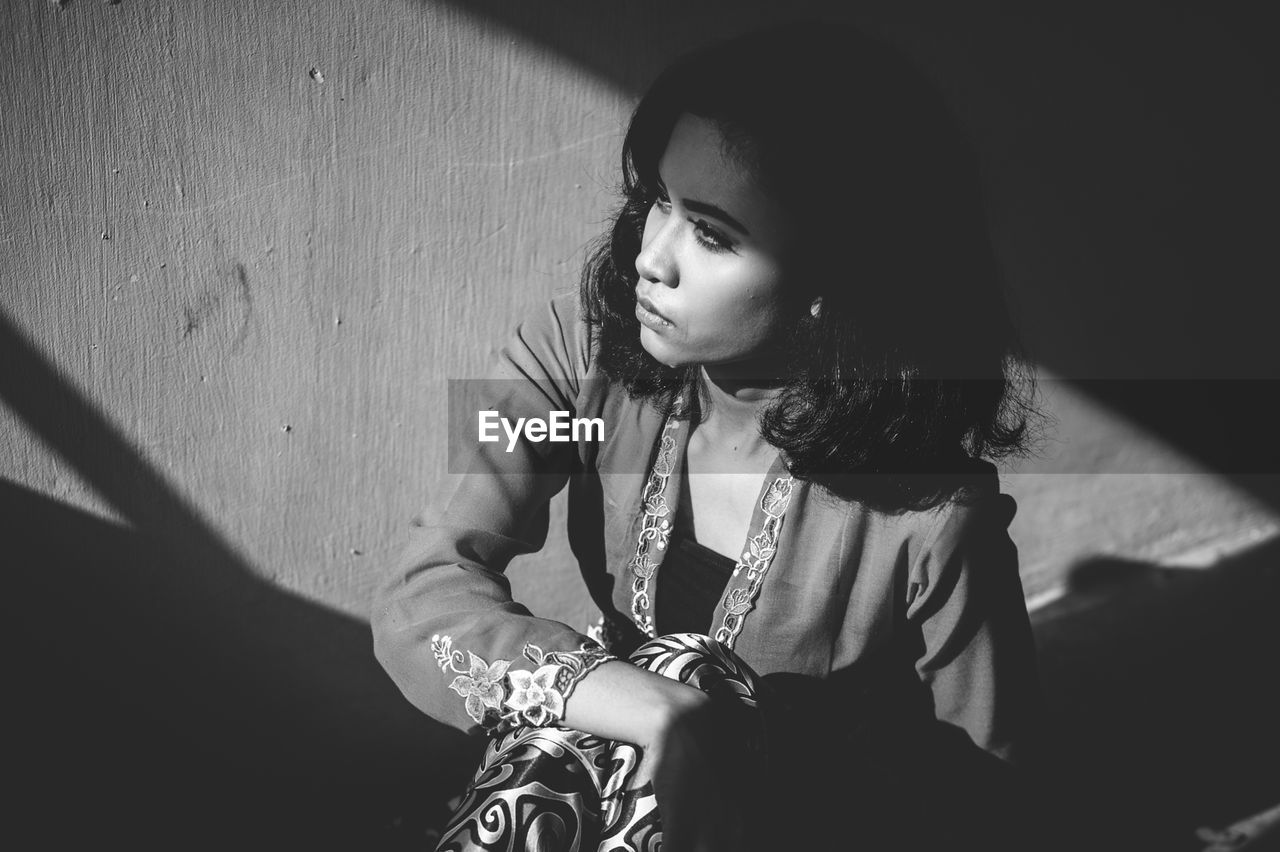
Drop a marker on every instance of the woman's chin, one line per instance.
(660, 350)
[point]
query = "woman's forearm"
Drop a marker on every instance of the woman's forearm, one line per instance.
(620, 701)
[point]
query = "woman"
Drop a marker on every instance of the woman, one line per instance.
(795, 340)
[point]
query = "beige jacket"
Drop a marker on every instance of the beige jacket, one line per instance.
(846, 588)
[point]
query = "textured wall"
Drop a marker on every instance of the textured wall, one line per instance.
(258, 239)
(244, 245)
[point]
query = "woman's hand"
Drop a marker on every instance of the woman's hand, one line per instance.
(693, 782)
(689, 754)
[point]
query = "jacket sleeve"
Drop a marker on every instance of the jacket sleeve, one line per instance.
(977, 655)
(444, 624)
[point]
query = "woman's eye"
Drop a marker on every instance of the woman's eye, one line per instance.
(705, 235)
(709, 237)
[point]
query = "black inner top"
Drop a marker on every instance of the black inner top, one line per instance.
(690, 583)
(692, 579)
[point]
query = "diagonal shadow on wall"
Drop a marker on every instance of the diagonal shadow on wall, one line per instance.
(1157, 677)
(1195, 357)
(164, 692)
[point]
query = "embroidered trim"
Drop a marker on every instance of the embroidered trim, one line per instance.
(500, 698)
(755, 560)
(655, 528)
(575, 665)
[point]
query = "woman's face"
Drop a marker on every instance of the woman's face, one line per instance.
(711, 266)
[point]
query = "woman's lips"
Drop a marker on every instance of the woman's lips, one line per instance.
(650, 319)
(648, 314)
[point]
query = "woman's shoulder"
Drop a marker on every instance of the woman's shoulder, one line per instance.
(554, 347)
(916, 498)
(566, 311)
(976, 508)
(552, 342)
(557, 332)
(968, 494)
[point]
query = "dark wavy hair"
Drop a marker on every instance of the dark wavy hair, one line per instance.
(912, 370)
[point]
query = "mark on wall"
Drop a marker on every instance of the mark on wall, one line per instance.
(232, 295)
(316, 75)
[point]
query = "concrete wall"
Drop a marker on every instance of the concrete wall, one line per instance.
(257, 238)
(245, 244)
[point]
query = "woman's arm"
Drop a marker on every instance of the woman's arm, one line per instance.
(978, 767)
(445, 626)
(978, 654)
(463, 651)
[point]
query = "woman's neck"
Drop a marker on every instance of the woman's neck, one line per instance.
(734, 401)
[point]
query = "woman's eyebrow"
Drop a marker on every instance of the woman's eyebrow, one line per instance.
(707, 209)
(712, 210)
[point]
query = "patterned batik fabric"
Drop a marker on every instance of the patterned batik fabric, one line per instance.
(553, 789)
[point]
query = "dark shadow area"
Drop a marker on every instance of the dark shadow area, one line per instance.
(1226, 425)
(1133, 142)
(167, 696)
(1162, 687)
(153, 707)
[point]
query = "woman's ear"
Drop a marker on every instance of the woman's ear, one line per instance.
(815, 307)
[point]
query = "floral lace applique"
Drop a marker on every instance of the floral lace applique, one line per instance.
(500, 698)
(655, 528)
(755, 560)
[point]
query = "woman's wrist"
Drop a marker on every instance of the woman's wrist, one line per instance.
(620, 701)
(679, 708)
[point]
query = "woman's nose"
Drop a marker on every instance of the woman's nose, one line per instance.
(655, 261)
